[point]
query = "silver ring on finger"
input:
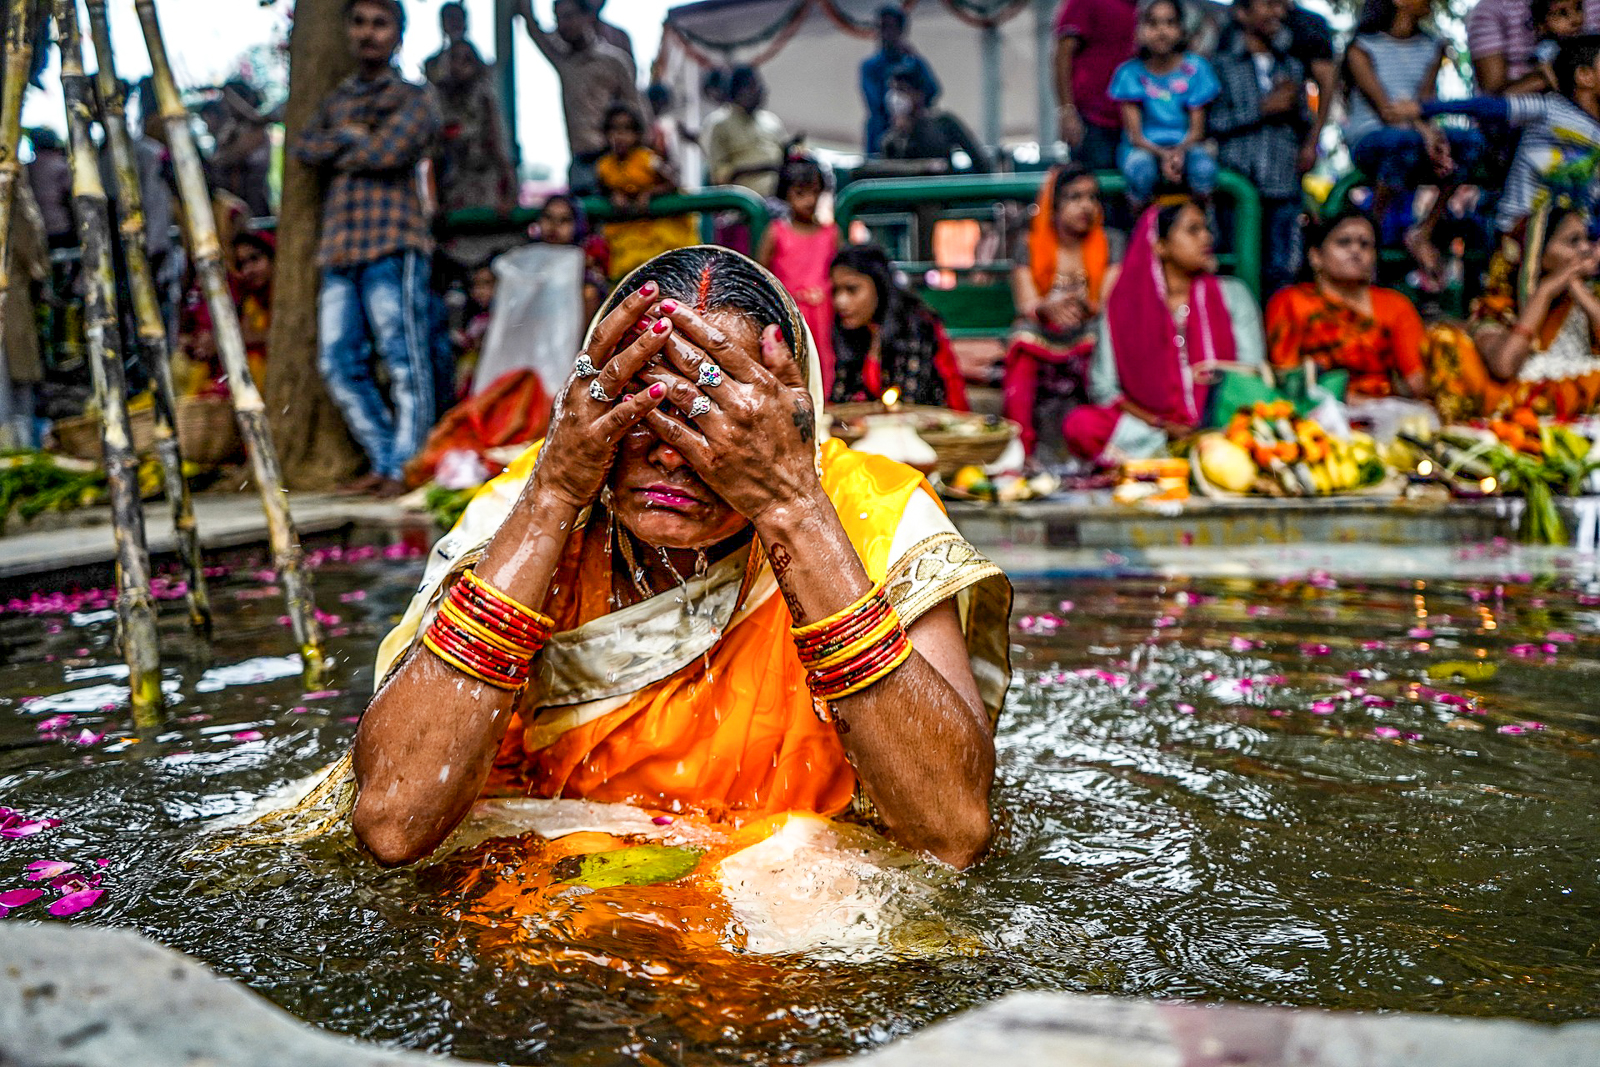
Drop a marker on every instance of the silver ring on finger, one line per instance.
(700, 406)
(585, 367)
(710, 375)
(598, 391)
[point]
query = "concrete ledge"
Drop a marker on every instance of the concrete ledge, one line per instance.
(86, 996)
(1087, 1031)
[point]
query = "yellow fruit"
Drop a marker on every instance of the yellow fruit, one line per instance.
(1225, 464)
(967, 477)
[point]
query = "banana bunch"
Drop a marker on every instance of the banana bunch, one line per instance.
(1336, 465)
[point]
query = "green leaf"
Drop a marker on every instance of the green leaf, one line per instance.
(635, 865)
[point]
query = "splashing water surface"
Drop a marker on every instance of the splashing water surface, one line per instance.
(1310, 791)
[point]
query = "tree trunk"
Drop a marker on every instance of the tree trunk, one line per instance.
(313, 444)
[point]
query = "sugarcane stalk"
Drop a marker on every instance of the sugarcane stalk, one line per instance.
(147, 318)
(136, 609)
(248, 407)
(19, 57)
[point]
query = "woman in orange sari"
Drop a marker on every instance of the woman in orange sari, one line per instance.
(1341, 321)
(683, 532)
(1058, 287)
(1534, 336)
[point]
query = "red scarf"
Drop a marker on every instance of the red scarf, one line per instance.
(1155, 371)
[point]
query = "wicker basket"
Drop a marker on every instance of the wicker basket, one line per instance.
(207, 434)
(980, 442)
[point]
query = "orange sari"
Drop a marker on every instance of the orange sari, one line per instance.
(719, 720)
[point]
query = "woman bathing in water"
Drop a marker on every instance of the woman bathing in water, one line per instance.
(684, 599)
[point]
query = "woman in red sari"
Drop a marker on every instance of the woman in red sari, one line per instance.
(1058, 286)
(1171, 326)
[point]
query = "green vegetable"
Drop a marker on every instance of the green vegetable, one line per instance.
(635, 865)
(446, 505)
(32, 483)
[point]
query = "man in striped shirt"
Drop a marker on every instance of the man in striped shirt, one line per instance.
(1557, 131)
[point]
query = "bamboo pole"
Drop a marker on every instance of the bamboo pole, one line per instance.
(135, 606)
(247, 404)
(19, 57)
(147, 318)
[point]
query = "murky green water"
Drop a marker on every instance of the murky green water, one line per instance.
(1261, 790)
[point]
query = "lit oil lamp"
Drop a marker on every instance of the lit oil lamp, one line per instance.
(893, 435)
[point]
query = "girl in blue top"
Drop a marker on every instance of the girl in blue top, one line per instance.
(1164, 92)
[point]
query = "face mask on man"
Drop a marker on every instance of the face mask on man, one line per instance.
(898, 102)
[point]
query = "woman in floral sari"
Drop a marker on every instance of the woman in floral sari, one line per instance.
(1533, 339)
(1058, 286)
(1341, 321)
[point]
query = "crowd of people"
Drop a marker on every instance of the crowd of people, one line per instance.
(1122, 319)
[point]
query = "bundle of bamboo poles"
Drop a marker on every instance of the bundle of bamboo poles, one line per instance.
(85, 106)
(136, 609)
(247, 404)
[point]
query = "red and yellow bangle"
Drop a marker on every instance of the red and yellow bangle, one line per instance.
(487, 635)
(852, 649)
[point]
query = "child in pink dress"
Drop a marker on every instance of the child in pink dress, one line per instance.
(798, 251)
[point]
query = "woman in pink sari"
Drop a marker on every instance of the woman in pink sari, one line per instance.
(1170, 325)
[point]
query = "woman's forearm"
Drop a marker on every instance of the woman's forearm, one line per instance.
(425, 745)
(919, 739)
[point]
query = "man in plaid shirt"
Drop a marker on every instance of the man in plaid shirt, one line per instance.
(1260, 119)
(367, 140)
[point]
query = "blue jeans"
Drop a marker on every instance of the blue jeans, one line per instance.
(1142, 170)
(387, 301)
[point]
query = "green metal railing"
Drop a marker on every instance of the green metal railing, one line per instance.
(985, 308)
(705, 203)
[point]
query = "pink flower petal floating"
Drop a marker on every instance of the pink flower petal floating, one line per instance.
(42, 869)
(1322, 707)
(52, 722)
(662, 820)
(324, 694)
(248, 735)
(1560, 637)
(87, 737)
(1524, 651)
(1277, 713)
(352, 596)
(1315, 649)
(1371, 646)
(1243, 644)
(299, 709)
(16, 898)
(1066, 606)
(1510, 728)
(73, 903)
(1421, 633)
(1165, 622)
(325, 618)
(23, 827)
(1385, 731)
(1185, 709)
(1376, 702)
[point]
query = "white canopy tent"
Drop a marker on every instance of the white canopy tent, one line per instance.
(996, 78)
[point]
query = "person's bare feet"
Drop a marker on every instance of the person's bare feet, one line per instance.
(367, 483)
(1421, 248)
(389, 488)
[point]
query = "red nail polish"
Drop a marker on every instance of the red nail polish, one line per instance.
(657, 391)
(647, 289)
(668, 306)
(661, 326)
(626, 397)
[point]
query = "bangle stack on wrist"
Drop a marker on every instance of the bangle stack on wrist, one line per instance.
(486, 635)
(852, 649)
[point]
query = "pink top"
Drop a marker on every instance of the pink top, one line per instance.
(801, 260)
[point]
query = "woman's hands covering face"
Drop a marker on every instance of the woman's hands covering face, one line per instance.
(751, 437)
(584, 430)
